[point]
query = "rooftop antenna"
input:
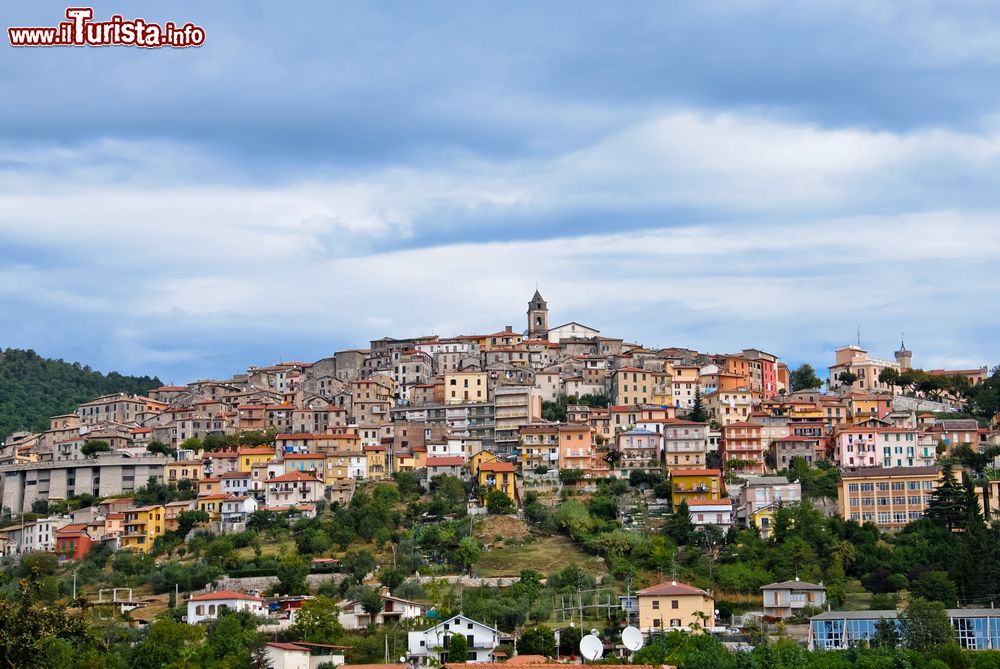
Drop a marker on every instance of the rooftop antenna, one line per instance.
(902, 344)
(859, 336)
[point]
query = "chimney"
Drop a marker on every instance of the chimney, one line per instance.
(508, 328)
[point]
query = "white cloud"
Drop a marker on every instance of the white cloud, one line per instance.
(309, 257)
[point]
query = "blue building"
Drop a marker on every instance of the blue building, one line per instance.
(975, 629)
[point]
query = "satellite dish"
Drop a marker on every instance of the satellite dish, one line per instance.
(591, 647)
(632, 638)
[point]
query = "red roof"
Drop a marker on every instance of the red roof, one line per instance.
(696, 472)
(447, 461)
(671, 588)
(292, 477)
(496, 467)
(223, 594)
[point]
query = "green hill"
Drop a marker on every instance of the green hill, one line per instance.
(33, 388)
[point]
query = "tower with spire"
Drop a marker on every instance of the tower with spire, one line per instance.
(904, 358)
(538, 317)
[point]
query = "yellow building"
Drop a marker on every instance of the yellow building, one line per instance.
(675, 606)
(729, 406)
(376, 462)
(495, 475)
(695, 484)
(174, 472)
(254, 456)
(212, 505)
(305, 462)
(141, 527)
(466, 386)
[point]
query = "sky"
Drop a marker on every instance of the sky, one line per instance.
(712, 175)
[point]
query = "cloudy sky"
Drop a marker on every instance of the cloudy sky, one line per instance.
(716, 175)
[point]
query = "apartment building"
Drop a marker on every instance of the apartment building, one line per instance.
(889, 497)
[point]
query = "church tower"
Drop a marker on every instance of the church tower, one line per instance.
(904, 358)
(538, 317)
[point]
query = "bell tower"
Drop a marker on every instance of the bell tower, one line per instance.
(904, 358)
(538, 317)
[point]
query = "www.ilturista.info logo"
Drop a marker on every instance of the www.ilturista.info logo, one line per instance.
(81, 30)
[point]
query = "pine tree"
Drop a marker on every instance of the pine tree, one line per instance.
(698, 413)
(948, 504)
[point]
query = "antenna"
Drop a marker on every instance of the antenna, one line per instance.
(859, 336)
(632, 638)
(591, 648)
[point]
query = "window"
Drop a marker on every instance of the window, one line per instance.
(674, 604)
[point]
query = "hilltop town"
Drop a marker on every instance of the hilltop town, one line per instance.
(522, 486)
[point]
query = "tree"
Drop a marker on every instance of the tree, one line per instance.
(679, 526)
(498, 503)
(192, 444)
(847, 378)
(391, 577)
(934, 586)
(924, 625)
(358, 564)
(27, 631)
(187, 520)
(698, 412)
(467, 553)
(977, 462)
(948, 503)
(232, 635)
(537, 641)
(158, 447)
(370, 599)
(804, 378)
(458, 649)
(92, 447)
(889, 376)
(318, 621)
(291, 573)
(886, 634)
(570, 476)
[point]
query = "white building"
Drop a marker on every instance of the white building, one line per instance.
(718, 512)
(354, 617)
(790, 597)
(209, 605)
(432, 643)
(41, 534)
(236, 510)
(572, 330)
(300, 656)
(293, 488)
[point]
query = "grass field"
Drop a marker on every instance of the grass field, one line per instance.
(857, 598)
(545, 555)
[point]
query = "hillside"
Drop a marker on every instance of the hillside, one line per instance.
(33, 388)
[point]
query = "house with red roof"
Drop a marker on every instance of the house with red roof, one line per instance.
(673, 605)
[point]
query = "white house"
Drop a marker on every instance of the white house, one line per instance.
(718, 512)
(300, 656)
(237, 509)
(394, 609)
(41, 535)
(209, 605)
(293, 488)
(432, 643)
(572, 330)
(790, 597)
(235, 483)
